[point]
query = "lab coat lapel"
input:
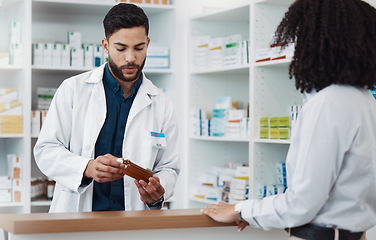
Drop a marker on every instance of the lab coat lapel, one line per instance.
(96, 112)
(142, 99)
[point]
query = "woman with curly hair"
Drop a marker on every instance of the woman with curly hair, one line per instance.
(331, 162)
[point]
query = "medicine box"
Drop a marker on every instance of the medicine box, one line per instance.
(284, 122)
(15, 32)
(38, 54)
(264, 122)
(16, 190)
(35, 123)
(74, 39)
(207, 179)
(274, 133)
(47, 54)
(88, 55)
(274, 122)
(284, 133)
(262, 55)
(14, 166)
(5, 182)
(56, 55)
(77, 57)
(65, 55)
(8, 95)
(242, 173)
(157, 62)
(4, 59)
(373, 91)
(98, 55)
(5, 195)
(16, 54)
(44, 97)
(264, 133)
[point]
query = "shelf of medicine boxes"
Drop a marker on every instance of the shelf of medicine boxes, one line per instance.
(272, 93)
(206, 85)
(83, 69)
(95, 8)
(52, 19)
(10, 67)
(220, 139)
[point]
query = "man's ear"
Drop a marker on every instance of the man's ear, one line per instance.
(105, 45)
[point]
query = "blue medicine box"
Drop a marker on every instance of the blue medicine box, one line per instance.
(374, 92)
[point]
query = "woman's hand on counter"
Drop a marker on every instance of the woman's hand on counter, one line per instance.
(224, 212)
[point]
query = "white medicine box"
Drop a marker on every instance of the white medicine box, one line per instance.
(74, 39)
(56, 55)
(38, 54)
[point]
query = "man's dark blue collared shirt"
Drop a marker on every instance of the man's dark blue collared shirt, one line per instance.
(110, 196)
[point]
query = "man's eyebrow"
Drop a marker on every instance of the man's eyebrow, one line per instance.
(125, 45)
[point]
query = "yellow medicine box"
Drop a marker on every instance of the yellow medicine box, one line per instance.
(284, 122)
(274, 133)
(264, 122)
(284, 133)
(274, 122)
(264, 133)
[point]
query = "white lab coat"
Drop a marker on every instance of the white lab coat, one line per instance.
(67, 140)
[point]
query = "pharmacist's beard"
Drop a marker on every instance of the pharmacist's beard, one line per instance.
(118, 73)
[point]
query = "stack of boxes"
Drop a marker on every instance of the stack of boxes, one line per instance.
(200, 52)
(44, 98)
(239, 186)
(157, 57)
(275, 53)
(157, 2)
(226, 120)
(237, 123)
(5, 189)
(275, 127)
(278, 188)
(10, 112)
(226, 184)
(71, 54)
(236, 51)
(16, 50)
(200, 123)
(374, 92)
(11, 185)
(219, 52)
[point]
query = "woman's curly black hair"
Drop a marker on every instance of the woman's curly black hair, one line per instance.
(335, 43)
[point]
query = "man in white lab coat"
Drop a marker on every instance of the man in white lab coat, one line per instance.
(111, 112)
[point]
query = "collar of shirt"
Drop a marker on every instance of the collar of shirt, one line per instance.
(111, 82)
(306, 96)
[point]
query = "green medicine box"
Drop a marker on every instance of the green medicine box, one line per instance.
(274, 122)
(274, 133)
(284, 133)
(264, 122)
(264, 133)
(284, 122)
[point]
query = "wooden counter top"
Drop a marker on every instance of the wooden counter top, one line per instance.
(105, 221)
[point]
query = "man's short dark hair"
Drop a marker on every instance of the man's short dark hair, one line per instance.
(124, 15)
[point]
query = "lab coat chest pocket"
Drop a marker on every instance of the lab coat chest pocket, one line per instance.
(149, 152)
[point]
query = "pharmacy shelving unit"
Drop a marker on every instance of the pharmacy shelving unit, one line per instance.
(265, 85)
(271, 93)
(48, 21)
(53, 19)
(16, 76)
(205, 85)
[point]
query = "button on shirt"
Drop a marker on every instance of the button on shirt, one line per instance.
(331, 166)
(109, 196)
